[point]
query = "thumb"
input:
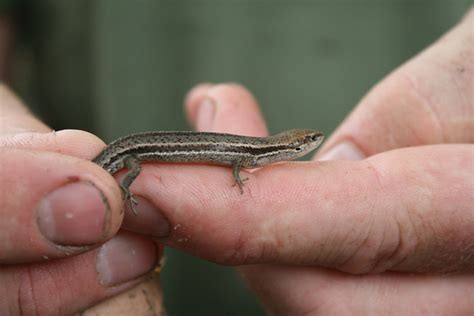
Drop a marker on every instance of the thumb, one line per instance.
(428, 100)
(53, 201)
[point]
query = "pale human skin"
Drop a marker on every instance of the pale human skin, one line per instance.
(385, 228)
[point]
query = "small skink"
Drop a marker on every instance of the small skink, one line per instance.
(201, 147)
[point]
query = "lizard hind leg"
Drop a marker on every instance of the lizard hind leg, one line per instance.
(133, 166)
(129, 196)
(238, 180)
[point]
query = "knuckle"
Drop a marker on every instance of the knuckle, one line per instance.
(242, 251)
(383, 248)
(20, 292)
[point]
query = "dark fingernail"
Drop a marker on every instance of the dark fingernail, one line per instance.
(74, 214)
(124, 258)
(148, 221)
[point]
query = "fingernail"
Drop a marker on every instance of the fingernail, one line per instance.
(124, 258)
(343, 151)
(149, 221)
(74, 214)
(206, 114)
(198, 89)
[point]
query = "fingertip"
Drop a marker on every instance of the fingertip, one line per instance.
(113, 258)
(54, 205)
(227, 107)
(72, 142)
(192, 100)
(75, 214)
(237, 111)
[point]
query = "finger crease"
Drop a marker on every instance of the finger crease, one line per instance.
(427, 104)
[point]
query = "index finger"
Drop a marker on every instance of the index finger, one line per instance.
(391, 212)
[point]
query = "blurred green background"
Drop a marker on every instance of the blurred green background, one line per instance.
(113, 67)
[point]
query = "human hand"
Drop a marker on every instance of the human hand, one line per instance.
(389, 232)
(56, 210)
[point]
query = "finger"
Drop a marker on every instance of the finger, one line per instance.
(287, 290)
(69, 286)
(429, 100)
(193, 100)
(227, 108)
(391, 212)
(53, 205)
(75, 143)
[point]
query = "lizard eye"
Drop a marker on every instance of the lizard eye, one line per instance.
(314, 138)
